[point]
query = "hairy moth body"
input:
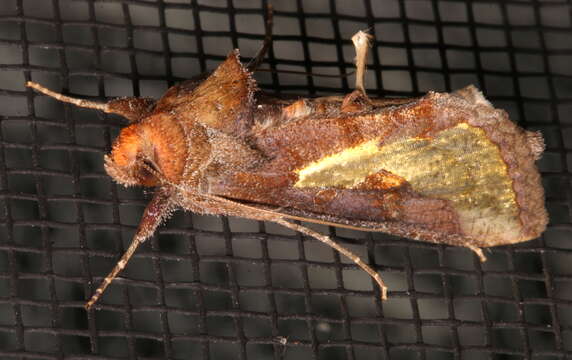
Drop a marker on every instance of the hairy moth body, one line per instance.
(444, 168)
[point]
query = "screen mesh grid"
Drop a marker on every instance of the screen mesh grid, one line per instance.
(213, 288)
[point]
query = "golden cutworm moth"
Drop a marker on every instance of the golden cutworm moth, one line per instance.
(445, 168)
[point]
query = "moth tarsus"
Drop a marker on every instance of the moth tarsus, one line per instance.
(445, 168)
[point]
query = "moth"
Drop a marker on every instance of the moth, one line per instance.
(444, 168)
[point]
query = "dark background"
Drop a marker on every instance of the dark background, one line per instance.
(217, 288)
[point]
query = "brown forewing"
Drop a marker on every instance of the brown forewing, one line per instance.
(381, 202)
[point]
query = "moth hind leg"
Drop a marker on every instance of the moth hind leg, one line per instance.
(131, 108)
(231, 207)
(358, 100)
(326, 240)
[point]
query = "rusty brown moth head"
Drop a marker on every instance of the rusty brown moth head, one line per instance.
(150, 144)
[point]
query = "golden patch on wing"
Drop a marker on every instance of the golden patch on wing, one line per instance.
(459, 164)
(345, 169)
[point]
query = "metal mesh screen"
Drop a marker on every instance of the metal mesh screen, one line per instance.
(217, 288)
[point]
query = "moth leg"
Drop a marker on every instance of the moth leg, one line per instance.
(349, 254)
(158, 209)
(358, 100)
(224, 206)
(361, 42)
(234, 208)
(257, 60)
(477, 250)
(131, 108)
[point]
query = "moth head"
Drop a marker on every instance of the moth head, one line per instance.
(132, 157)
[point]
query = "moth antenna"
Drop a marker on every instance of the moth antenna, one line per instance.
(131, 108)
(63, 98)
(361, 42)
(259, 57)
(158, 209)
(246, 211)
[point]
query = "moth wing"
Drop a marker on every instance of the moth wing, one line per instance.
(224, 100)
(459, 165)
(383, 198)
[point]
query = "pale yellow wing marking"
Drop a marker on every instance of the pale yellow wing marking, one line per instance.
(459, 164)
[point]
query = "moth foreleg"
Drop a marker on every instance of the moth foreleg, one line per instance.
(158, 209)
(131, 108)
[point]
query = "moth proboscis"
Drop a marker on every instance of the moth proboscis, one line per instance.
(445, 168)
